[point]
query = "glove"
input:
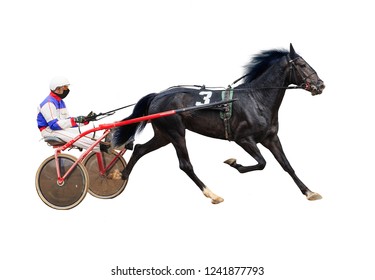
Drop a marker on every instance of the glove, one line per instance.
(91, 116)
(80, 119)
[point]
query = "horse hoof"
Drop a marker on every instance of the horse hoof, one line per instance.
(115, 175)
(313, 196)
(231, 161)
(217, 200)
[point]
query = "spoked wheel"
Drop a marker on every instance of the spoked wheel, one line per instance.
(110, 184)
(70, 192)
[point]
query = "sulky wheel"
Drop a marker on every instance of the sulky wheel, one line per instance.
(110, 184)
(67, 194)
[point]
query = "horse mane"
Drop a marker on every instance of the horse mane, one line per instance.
(261, 62)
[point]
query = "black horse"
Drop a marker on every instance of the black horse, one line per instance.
(251, 119)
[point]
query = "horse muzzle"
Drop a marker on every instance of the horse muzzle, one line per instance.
(315, 89)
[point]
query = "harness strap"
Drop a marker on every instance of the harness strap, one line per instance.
(226, 115)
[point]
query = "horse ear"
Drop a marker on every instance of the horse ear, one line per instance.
(292, 51)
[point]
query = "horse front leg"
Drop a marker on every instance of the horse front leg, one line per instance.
(274, 145)
(250, 147)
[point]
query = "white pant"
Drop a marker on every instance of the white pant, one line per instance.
(69, 134)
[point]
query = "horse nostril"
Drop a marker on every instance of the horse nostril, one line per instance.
(321, 85)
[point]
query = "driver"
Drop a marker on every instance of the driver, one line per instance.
(54, 120)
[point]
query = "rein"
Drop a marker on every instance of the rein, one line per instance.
(292, 74)
(244, 76)
(303, 86)
(94, 117)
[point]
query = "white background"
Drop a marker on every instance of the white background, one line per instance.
(115, 52)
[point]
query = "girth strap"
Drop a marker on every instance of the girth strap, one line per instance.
(227, 113)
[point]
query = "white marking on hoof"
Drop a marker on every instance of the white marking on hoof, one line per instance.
(115, 175)
(231, 161)
(214, 198)
(313, 196)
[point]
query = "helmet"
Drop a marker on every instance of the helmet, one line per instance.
(58, 82)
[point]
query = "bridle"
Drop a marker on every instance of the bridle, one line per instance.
(294, 71)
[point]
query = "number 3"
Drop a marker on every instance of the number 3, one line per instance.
(206, 97)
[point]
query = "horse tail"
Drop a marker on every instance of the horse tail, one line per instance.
(125, 134)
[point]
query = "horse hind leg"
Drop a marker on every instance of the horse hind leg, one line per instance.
(215, 199)
(142, 149)
(157, 142)
(179, 144)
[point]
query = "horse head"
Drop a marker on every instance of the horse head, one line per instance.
(302, 74)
